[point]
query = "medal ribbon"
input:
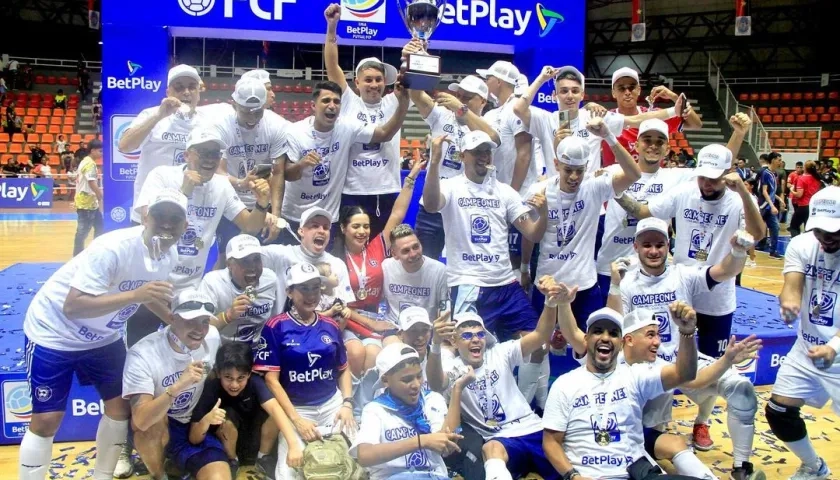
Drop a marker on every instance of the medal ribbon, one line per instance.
(704, 230)
(241, 141)
(488, 399)
(562, 224)
(360, 274)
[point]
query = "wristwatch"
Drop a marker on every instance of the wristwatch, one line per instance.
(349, 400)
(571, 474)
(261, 208)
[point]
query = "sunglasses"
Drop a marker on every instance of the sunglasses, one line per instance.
(213, 153)
(194, 305)
(467, 336)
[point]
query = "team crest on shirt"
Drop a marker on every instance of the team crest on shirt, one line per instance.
(699, 241)
(664, 326)
(417, 460)
(179, 158)
(479, 228)
(321, 174)
(245, 167)
(122, 316)
(182, 402)
(373, 262)
(826, 308)
(564, 237)
(43, 393)
(605, 428)
(326, 339)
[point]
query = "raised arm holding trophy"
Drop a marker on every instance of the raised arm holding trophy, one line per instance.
(421, 17)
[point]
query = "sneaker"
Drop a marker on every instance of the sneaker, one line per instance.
(266, 465)
(702, 439)
(746, 472)
(750, 263)
(776, 255)
(234, 467)
(808, 473)
(125, 464)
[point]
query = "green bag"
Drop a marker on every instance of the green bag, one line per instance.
(329, 459)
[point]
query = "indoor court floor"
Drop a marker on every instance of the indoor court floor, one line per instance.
(52, 241)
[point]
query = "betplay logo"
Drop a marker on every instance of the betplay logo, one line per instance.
(19, 193)
(131, 82)
(468, 12)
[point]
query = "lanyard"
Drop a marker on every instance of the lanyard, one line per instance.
(704, 227)
(237, 131)
(564, 223)
(360, 274)
(183, 347)
(487, 407)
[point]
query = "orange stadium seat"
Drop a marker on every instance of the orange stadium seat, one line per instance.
(820, 95)
(775, 96)
(829, 152)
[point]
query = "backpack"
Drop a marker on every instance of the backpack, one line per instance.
(329, 459)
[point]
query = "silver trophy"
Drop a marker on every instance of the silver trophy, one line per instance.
(421, 17)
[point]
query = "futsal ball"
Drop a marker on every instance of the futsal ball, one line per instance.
(196, 8)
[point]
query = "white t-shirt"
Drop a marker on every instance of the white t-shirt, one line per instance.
(568, 246)
(545, 124)
(495, 395)
(508, 126)
(619, 226)
(379, 426)
(591, 408)
(247, 148)
(280, 258)
(322, 185)
(804, 255)
(219, 286)
(442, 121)
(707, 226)
(165, 145)
(374, 167)
(424, 288)
(115, 262)
(475, 219)
(152, 365)
(205, 209)
(678, 282)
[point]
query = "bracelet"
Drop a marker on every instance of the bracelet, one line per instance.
(223, 317)
(835, 344)
(168, 392)
(689, 335)
(409, 182)
(435, 348)
(672, 112)
(525, 267)
(419, 447)
(615, 289)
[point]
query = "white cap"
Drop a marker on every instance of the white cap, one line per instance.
(825, 210)
(573, 151)
(574, 71)
(179, 71)
(301, 273)
(471, 84)
(638, 319)
(504, 71)
(392, 355)
(654, 125)
(204, 134)
(172, 196)
(412, 316)
(250, 93)
(652, 224)
(464, 317)
(625, 72)
(477, 138)
(190, 304)
(605, 313)
(313, 212)
(259, 74)
(521, 86)
(390, 71)
(242, 246)
(713, 161)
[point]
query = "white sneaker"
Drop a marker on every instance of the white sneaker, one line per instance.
(750, 263)
(808, 473)
(125, 464)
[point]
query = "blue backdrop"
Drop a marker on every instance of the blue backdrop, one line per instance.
(26, 192)
(136, 48)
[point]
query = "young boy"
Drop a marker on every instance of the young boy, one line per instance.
(405, 432)
(230, 404)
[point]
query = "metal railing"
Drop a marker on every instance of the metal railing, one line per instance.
(757, 137)
(92, 66)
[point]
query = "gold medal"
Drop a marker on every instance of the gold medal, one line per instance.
(625, 223)
(701, 255)
(492, 423)
(251, 292)
(456, 156)
(816, 311)
(602, 437)
(361, 294)
(199, 243)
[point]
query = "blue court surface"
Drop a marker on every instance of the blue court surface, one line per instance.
(758, 313)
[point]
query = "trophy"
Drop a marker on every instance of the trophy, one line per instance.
(421, 17)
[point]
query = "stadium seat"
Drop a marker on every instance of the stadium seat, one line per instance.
(809, 96)
(743, 97)
(773, 110)
(786, 96)
(828, 152)
(820, 96)
(801, 118)
(775, 96)
(764, 97)
(775, 134)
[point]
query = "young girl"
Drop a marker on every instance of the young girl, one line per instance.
(405, 432)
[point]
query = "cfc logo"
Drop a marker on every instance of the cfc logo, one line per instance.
(198, 8)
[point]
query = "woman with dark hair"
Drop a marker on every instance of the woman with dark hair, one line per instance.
(364, 256)
(806, 186)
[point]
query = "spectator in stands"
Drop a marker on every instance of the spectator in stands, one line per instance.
(768, 194)
(88, 198)
(13, 123)
(84, 83)
(742, 170)
(60, 145)
(828, 172)
(12, 168)
(36, 154)
(81, 152)
(807, 184)
(42, 169)
(67, 164)
(60, 100)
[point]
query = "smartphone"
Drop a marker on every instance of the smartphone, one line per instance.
(262, 171)
(684, 103)
(563, 118)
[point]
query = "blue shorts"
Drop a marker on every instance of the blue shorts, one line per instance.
(713, 333)
(429, 230)
(599, 234)
(604, 282)
(50, 373)
(506, 310)
(514, 241)
(224, 232)
(526, 455)
(189, 457)
(586, 302)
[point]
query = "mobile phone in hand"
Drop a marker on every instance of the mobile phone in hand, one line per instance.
(262, 171)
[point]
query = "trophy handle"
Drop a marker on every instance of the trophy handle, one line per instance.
(403, 15)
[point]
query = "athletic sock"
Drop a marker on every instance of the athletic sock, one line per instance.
(495, 469)
(111, 436)
(261, 455)
(805, 451)
(742, 439)
(687, 463)
(34, 457)
(704, 411)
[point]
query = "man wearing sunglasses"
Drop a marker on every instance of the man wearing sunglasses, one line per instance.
(164, 379)
(493, 404)
(74, 326)
(211, 197)
(160, 132)
(253, 147)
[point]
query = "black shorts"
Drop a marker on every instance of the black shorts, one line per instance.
(651, 436)
(248, 427)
